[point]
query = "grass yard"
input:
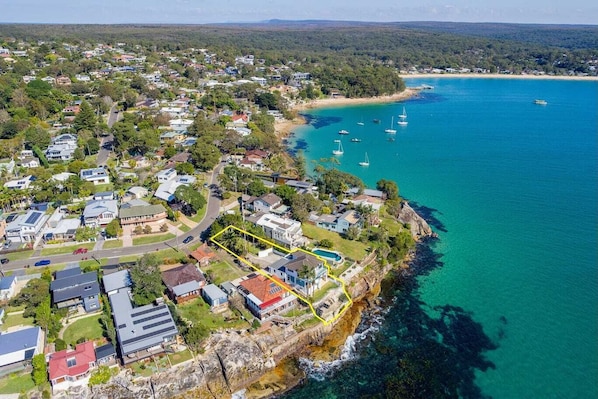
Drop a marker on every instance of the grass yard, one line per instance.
(19, 255)
(15, 320)
(222, 271)
(110, 244)
(152, 239)
(16, 383)
(67, 249)
(88, 327)
(351, 249)
(197, 311)
(321, 293)
(183, 227)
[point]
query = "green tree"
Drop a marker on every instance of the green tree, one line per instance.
(190, 197)
(388, 187)
(37, 136)
(146, 278)
(113, 229)
(205, 155)
(99, 376)
(40, 372)
(86, 118)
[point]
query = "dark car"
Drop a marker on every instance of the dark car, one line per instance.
(43, 262)
(187, 240)
(4, 260)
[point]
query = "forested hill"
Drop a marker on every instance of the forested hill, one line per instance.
(553, 49)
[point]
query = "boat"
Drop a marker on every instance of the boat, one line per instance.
(376, 120)
(427, 87)
(366, 161)
(540, 102)
(403, 118)
(361, 122)
(343, 131)
(390, 129)
(339, 150)
(355, 140)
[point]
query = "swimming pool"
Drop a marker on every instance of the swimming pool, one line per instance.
(334, 256)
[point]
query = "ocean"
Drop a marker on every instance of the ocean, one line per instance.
(505, 303)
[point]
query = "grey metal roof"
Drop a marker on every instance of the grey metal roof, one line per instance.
(117, 280)
(105, 351)
(68, 272)
(19, 340)
(142, 327)
(78, 291)
(6, 282)
(214, 292)
(136, 211)
(185, 288)
(74, 280)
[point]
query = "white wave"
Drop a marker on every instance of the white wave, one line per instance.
(239, 394)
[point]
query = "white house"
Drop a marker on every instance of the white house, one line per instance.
(166, 175)
(100, 213)
(339, 223)
(62, 148)
(7, 287)
(180, 124)
(19, 184)
(302, 271)
(95, 175)
(287, 232)
(21, 345)
(27, 227)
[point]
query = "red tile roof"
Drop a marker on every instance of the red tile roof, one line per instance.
(202, 253)
(83, 355)
(265, 289)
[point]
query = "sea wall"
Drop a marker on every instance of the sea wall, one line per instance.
(234, 360)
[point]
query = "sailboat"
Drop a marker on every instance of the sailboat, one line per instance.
(390, 129)
(366, 161)
(339, 150)
(403, 118)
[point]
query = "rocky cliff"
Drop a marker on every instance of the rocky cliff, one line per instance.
(234, 360)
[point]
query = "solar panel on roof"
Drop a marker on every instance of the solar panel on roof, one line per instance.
(33, 218)
(151, 317)
(148, 311)
(156, 324)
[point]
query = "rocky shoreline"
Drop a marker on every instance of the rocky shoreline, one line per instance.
(262, 364)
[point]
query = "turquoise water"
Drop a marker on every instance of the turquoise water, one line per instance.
(506, 305)
(327, 254)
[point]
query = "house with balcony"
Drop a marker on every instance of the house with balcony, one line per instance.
(339, 223)
(140, 213)
(264, 203)
(71, 367)
(167, 189)
(27, 227)
(302, 271)
(285, 232)
(20, 184)
(95, 176)
(100, 213)
(63, 146)
(265, 297)
(72, 288)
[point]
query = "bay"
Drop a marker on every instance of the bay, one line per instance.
(506, 302)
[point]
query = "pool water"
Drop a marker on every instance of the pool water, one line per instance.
(327, 254)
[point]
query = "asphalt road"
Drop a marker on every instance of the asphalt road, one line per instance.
(213, 209)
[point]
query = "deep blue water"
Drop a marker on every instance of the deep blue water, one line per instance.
(506, 301)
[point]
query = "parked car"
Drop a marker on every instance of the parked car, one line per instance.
(4, 260)
(188, 239)
(80, 251)
(43, 262)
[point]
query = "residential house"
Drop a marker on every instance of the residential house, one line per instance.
(104, 195)
(141, 331)
(180, 125)
(62, 147)
(181, 157)
(27, 227)
(167, 189)
(61, 178)
(82, 78)
(265, 203)
(339, 223)
(95, 175)
(183, 282)
(203, 255)
(115, 281)
(285, 232)
(71, 109)
(266, 297)
(71, 367)
(138, 192)
(100, 213)
(215, 297)
(49, 79)
(63, 81)
(62, 229)
(140, 213)
(105, 354)
(72, 288)
(302, 187)
(171, 136)
(367, 191)
(20, 346)
(30, 162)
(173, 112)
(7, 287)
(302, 271)
(166, 175)
(8, 165)
(20, 184)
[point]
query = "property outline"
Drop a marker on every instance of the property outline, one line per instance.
(269, 276)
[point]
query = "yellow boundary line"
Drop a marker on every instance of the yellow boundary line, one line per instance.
(287, 251)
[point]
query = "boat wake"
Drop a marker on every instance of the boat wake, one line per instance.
(370, 323)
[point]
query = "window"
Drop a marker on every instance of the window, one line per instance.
(72, 362)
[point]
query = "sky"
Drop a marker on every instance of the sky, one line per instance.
(221, 11)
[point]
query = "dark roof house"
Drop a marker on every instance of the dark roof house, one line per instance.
(72, 288)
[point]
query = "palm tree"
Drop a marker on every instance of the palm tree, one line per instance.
(308, 275)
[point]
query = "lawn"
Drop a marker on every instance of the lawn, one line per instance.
(67, 249)
(152, 239)
(15, 320)
(222, 271)
(16, 383)
(88, 328)
(321, 293)
(110, 244)
(183, 227)
(19, 255)
(197, 311)
(351, 249)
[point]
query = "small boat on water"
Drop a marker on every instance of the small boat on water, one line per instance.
(339, 150)
(427, 87)
(540, 102)
(360, 123)
(343, 131)
(355, 140)
(366, 161)
(403, 118)
(390, 130)
(376, 120)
